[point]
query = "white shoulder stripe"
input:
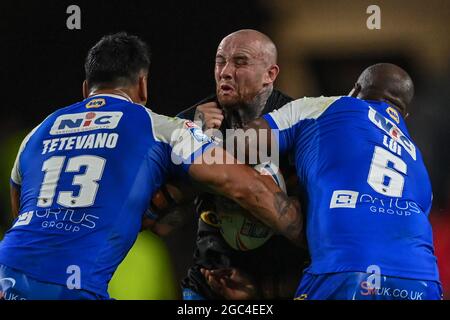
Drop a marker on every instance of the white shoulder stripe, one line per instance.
(163, 127)
(16, 175)
(183, 136)
(150, 113)
(301, 109)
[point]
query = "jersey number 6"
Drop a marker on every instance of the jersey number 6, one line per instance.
(386, 180)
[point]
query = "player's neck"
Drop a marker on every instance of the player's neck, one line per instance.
(117, 92)
(239, 115)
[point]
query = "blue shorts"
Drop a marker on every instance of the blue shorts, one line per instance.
(14, 285)
(365, 286)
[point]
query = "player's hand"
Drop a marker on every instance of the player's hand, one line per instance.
(147, 224)
(210, 115)
(160, 229)
(231, 283)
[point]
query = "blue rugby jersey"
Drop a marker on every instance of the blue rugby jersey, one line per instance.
(368, 192)
(86, 175)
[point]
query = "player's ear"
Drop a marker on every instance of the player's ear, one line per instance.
(272, 74)
(143, 93)
(355, 91)
(85, 89)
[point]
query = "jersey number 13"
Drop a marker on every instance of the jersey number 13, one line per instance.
(87, 181)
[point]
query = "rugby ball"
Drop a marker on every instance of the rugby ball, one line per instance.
(240, 230)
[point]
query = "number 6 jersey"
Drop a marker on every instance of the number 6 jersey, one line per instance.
(368, 192)
(86, 175)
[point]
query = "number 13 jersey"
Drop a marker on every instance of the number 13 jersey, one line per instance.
(86, 175)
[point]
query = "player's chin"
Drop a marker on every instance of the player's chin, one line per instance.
(228, 100)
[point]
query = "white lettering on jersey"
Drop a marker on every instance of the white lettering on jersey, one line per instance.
(92, 141)
(344, 199)
(23, 219)
(393, 131)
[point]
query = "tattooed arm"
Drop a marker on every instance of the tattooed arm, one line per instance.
(257, 193)
(289, 220)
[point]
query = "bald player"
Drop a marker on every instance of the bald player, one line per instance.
(245, 71)
(368, 194)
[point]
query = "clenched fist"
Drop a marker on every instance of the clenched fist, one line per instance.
(210, 115)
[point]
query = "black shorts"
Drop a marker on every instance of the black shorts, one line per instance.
(276, 257)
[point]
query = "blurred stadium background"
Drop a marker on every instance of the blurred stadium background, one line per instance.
(323, 46)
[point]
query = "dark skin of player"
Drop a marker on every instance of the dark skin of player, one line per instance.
(385, 82)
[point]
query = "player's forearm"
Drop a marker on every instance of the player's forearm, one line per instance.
(274, 208)
(263, 199)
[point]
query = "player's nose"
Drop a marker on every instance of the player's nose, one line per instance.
(227, 71)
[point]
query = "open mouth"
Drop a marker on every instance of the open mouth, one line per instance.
(226, 88)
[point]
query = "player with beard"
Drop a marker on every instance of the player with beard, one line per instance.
(245, 71)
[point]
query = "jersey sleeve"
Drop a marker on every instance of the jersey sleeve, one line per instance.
(16, 175)
(182, 140)
(286, 122)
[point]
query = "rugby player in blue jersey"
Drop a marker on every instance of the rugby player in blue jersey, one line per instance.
(83, 179)
(368, 194)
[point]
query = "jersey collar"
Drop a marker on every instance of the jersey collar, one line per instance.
(111, 95)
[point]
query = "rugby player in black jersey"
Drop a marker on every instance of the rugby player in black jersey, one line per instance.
(245, 71)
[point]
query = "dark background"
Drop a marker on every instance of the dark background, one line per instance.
(41, 58)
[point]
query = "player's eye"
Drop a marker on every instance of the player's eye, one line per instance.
(241, 61)
(220, 61)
